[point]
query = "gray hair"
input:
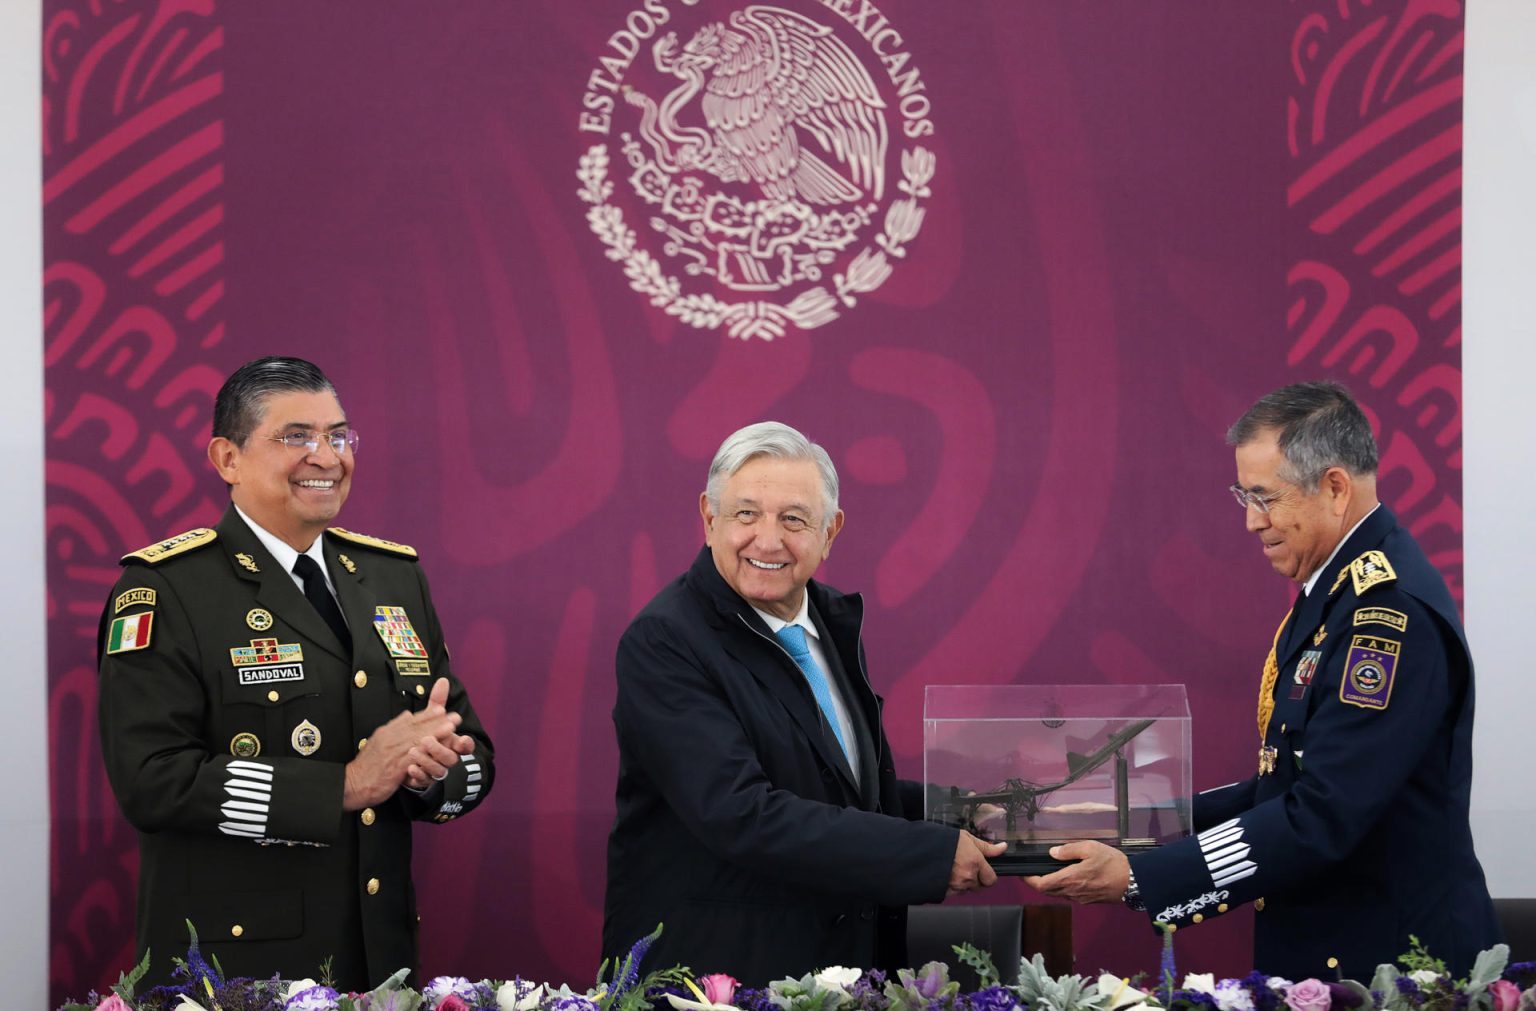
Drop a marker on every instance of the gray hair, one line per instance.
(1319, 426)
(770, 438)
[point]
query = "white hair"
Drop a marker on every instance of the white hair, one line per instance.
(775, 439)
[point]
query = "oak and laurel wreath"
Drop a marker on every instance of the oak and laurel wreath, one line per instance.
(810, 309)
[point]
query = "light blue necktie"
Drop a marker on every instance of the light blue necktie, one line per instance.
(792, 637)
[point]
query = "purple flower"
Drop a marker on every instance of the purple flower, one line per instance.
(313, 998)
(440, 987)
(1309, 995)
(575, 1002)
(933, 976)
(994, 998)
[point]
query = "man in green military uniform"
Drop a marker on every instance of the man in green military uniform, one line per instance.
(276, 707)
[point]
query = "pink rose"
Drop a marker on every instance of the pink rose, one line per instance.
(1506, 996)
(1309, 995)
(116, 1003)
(452, 1002)
(721, 989)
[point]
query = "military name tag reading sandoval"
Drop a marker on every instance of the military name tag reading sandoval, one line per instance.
(266, 661)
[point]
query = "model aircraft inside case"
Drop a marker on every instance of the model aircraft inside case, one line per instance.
(1039, 765)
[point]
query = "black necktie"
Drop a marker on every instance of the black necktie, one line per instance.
(320, 595)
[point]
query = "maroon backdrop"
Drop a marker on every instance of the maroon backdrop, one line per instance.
(1139, 216)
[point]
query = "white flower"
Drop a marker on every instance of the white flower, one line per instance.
(1424, 977)
(188, 1004)
(1205, 982)
(1279, 984)
(1232, 996)
(837, 977)
(684, 1004)
(519, 995)
(298, 986)
(1122, 996)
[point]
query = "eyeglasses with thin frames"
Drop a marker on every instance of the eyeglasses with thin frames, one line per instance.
(1246, 498)
(340, 440)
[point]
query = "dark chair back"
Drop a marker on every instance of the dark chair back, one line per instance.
(1518, 918)
(932, 932)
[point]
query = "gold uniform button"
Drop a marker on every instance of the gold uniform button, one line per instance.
(362, 744)
(367, 816)
(373, 886)
(360, 679)
(1172, 927)
(1333, 963)
(1221, 908)
(236, 930)
(272, 696)
(420, 690)
(1197, 918)
(1258, 905)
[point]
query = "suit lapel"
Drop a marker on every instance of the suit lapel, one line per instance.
(276, 590)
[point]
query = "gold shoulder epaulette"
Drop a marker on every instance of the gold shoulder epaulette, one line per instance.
(178, 545)
(1371, 569)
(373, 542)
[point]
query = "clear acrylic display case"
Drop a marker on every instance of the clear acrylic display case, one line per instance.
(1038, 765)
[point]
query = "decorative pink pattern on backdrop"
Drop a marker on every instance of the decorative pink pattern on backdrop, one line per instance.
(1374, 134)
(133, 304)
(1120, 247)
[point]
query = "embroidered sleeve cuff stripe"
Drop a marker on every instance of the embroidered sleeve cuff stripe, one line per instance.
(1226, 855)
(249, 786)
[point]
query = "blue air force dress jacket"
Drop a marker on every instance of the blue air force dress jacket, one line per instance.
(739, 824)
(1360, 835)
(228, 710)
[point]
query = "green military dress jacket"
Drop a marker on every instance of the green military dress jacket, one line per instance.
(228, 711)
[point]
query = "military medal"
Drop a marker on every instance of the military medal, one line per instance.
(259, 619)
(1267, 699)
(245, 745)
(306, 738)
(1267, 756)
(267, 660)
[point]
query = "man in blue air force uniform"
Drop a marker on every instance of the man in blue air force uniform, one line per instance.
(276, 707)
(1354, 832)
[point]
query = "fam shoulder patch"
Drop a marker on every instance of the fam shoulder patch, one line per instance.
(404, 550)
(1382, 616)
(1369, 669)
(1371, 569)
(173, 546)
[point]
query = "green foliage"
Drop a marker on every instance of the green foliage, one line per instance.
(127, 982)
(1043, 992)
(979, 960)
(1417, 958)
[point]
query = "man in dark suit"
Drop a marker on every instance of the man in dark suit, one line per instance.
(759, 814)
(1354, 832)
(276, 707)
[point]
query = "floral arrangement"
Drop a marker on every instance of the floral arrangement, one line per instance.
(1422, 984)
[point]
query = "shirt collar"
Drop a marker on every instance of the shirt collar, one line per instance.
(282, 552)
(803, 618)
(1306, 589)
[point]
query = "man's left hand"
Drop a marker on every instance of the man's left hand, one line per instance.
(1101, 874)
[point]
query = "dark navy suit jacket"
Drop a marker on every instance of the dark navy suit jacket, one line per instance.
(739, 824)
(1360, 836)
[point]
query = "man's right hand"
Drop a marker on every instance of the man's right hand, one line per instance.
(381, 767)
(971, 870)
